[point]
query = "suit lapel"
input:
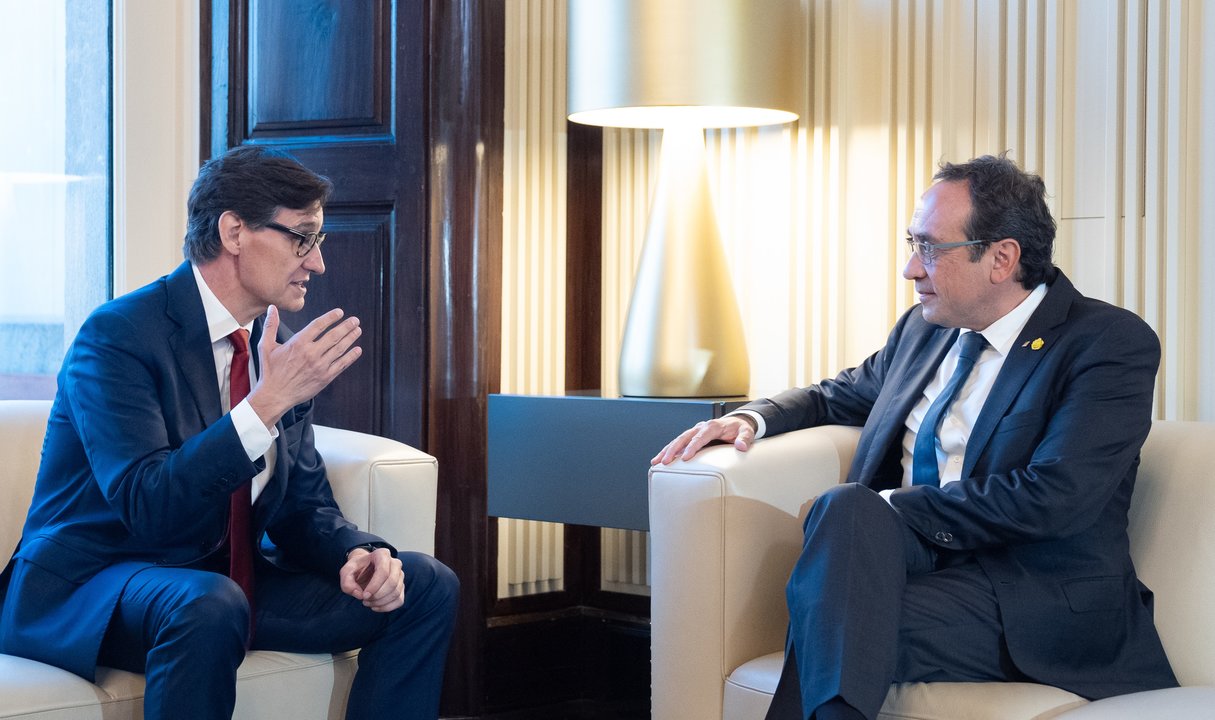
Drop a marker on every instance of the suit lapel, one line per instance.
(1045, 325)
(191, 342)
(255, 338)
(907, 378)
(918, 374)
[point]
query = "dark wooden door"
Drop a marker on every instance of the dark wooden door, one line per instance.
(399, 102)
(342, 86)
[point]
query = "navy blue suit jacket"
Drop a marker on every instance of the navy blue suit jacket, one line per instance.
(1046, 481)
(137, 467)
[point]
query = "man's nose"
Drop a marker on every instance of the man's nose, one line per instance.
(314, 262)
(913, 268)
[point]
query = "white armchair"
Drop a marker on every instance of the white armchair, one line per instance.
(726, 530)
(403, 483)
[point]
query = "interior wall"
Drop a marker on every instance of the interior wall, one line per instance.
(156, 135)
(1110, 102)
(533, 212)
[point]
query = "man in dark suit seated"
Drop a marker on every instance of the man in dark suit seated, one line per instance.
(182, 513)
(982, 534)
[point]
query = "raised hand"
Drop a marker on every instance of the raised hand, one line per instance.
(298, 369)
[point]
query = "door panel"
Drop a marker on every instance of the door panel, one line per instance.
(335, 57)
(356, 250)
(341, 86)
(400, 104)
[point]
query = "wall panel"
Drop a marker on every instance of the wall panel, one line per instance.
(1204, 296)
(340, 87)
(1104, 99)
(530, 554)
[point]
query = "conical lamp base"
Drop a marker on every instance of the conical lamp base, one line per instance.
(683, 336)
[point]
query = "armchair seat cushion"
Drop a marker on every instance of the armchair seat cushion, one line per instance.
(1180, 702)
(976, 701)
(749, 690)
(269, 684)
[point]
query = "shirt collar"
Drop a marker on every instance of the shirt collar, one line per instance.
(220, 323)
(1003, 333)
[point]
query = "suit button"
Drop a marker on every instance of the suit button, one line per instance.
(943, 536)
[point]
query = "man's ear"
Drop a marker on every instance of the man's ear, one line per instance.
(230, 226)
(1006, 258)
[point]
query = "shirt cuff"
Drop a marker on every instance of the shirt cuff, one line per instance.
(760, 426)
(253, 434)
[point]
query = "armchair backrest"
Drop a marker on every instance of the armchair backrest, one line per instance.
(384, 486)
(1172, 529)
(22, 427)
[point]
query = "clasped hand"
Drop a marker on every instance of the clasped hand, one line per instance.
(376, 578)
(295, 371)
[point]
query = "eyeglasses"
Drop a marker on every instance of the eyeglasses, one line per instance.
(304, 242)
(929, 253)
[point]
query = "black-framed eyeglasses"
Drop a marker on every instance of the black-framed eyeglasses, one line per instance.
(304, 242)
(929, 253)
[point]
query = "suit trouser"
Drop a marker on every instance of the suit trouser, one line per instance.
(187, 629)
(871, 603)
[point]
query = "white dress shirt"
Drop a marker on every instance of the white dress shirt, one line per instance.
(960, 419)
(257, 440)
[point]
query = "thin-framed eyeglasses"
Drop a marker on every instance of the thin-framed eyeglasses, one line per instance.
(929, 253)
(304, 242)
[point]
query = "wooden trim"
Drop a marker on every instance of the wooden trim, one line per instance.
(583, 256)
(465, 237)
(205, 87)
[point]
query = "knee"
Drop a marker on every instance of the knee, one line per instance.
(848, 494)
(845, 504)
(432, 583)
(212, 607)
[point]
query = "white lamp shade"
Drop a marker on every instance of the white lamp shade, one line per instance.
(684, 65)
(704, 63)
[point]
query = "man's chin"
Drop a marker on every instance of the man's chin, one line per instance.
(292, 305)
(931, 315)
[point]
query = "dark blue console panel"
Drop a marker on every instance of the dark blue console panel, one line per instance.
(582, 459)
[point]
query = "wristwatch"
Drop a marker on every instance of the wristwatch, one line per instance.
(365, 546)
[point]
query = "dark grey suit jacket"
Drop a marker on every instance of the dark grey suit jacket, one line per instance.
(1046, 483)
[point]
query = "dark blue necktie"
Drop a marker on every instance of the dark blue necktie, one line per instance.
(924, 458)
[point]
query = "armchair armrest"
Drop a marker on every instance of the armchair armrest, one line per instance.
(383, 486)
(725, 531)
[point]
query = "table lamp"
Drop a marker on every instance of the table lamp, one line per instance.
(682, 66)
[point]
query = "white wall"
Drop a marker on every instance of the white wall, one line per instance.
(156, 110)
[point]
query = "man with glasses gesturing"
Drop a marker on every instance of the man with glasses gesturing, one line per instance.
(182, 514)
(982, 533)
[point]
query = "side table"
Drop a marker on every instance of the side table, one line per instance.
(583, 459)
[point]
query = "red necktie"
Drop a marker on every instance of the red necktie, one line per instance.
(240, 531)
